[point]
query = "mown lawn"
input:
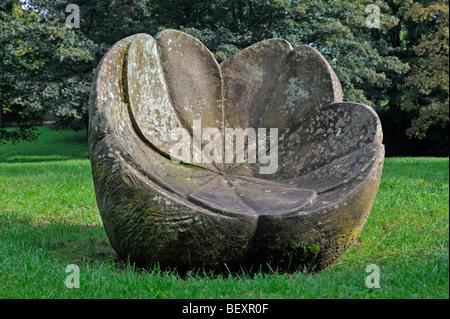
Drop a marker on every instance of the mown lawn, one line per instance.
(49, 219)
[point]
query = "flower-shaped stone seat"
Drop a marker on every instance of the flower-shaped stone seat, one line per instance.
(154, 210)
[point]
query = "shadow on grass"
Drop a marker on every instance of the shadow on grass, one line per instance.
(67, 243)
(89, 245)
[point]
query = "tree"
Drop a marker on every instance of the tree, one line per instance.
(415, 110)
(428, 81)
(400, 68)
(46, 70)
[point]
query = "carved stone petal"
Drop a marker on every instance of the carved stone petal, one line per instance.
(331, 132)
(306, 82)
(194, 79)
(250, 77)
(110, 119)
(107, 103)
(328, 134)
(272, 85)
(340, 171)
(148, 95)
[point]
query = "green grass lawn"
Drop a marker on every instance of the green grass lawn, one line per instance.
(49, 219)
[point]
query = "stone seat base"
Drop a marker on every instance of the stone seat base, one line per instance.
(242, 195)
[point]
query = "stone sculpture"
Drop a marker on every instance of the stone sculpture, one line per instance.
(158, 211)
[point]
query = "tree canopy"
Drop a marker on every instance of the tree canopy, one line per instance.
(399, 68)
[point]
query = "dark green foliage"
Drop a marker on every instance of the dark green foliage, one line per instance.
(47, 68)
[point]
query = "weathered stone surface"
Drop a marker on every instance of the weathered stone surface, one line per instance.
(148, 94)
(156, 211)
(250, 78)
(194, 80)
